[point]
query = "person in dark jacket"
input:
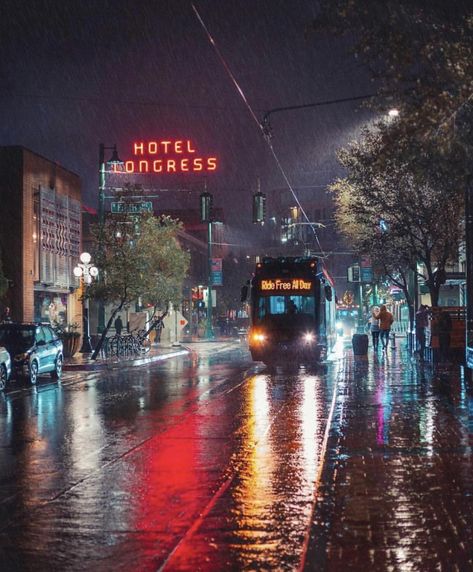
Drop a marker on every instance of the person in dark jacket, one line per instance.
(118, 325)
(444, 327)
(6, 315)
(422, 321)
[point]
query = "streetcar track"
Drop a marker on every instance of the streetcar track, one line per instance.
(216, 496)
(235, 471)
(184, 402)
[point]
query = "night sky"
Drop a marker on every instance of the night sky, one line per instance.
(74, 74)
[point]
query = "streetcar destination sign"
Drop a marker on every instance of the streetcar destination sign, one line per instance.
(285, 285)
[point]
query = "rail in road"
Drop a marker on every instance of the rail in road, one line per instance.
(219, 467)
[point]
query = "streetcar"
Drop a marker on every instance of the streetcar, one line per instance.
(292, 311)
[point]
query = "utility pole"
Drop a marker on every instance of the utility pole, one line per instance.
(206, 204)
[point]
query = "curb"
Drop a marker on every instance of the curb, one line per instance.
(124, 363)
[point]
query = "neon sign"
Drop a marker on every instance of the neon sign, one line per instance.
(285, 285)
(167, 156)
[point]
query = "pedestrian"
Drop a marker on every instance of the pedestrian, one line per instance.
(118, 324)
(385, 322)
(373, 323)
(159, 328)
(6, 317)
(422, 321)
(291, 307)
(444, 327)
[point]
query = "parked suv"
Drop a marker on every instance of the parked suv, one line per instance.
(34, 349)
(5, 367)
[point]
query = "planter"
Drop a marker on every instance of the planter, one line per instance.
(71, 344)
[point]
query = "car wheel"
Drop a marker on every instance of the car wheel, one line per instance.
(33, 376)
(3, 377)
(57, 371)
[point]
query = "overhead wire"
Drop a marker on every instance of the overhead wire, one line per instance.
(257, 121)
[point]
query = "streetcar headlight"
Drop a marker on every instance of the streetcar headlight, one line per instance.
(258, 337)
(309, 337)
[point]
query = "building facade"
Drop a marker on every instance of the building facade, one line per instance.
(40, 236)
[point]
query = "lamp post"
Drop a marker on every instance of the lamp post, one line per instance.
(114, 160)
(86, 272)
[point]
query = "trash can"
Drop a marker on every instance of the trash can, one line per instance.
(360, 344)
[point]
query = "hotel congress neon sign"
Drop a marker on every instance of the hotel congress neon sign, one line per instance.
(168, 156)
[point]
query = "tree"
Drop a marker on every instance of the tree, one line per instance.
(401, 204)
(138, 256)
(419, 52)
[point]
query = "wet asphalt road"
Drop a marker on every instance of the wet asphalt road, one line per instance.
(211, 462)
(200, 463)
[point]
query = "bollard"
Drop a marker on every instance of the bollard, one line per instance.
(393, 341)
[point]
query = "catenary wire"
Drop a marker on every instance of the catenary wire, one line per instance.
(258, 123)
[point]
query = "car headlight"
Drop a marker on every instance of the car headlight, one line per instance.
(21, 357)
(309, 337)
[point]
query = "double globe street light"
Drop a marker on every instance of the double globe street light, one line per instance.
(86, 272)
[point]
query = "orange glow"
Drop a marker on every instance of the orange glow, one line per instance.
(285, 285)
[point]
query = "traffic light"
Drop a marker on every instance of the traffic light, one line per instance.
(259, 207)
(206, 207)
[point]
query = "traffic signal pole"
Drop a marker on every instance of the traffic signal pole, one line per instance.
(209, 333)
(206, 207)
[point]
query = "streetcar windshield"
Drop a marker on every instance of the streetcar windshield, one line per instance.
(290, 307)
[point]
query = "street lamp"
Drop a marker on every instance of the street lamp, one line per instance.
(86, 272)
(114, 160)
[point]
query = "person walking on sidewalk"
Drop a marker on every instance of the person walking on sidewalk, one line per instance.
(374, 326)
(444, 327)
(385, 322)
(118, 325)
(6, 315)
(159, 327)
(422, 321)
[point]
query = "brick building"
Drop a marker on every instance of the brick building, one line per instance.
(40, 236)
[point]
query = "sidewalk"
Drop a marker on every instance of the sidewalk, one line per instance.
(397, 489)
(82, 362)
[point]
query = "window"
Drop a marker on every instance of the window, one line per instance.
(48, 334)
(39, 335)
(285, 305)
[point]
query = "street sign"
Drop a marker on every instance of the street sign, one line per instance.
(130, 208)
(367, 275)
(216, 272)
(353, 273)
(366, 269)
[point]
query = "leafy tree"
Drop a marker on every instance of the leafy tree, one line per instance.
(420, 55)
(401, 205)
(138, 256)
(419, 52)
